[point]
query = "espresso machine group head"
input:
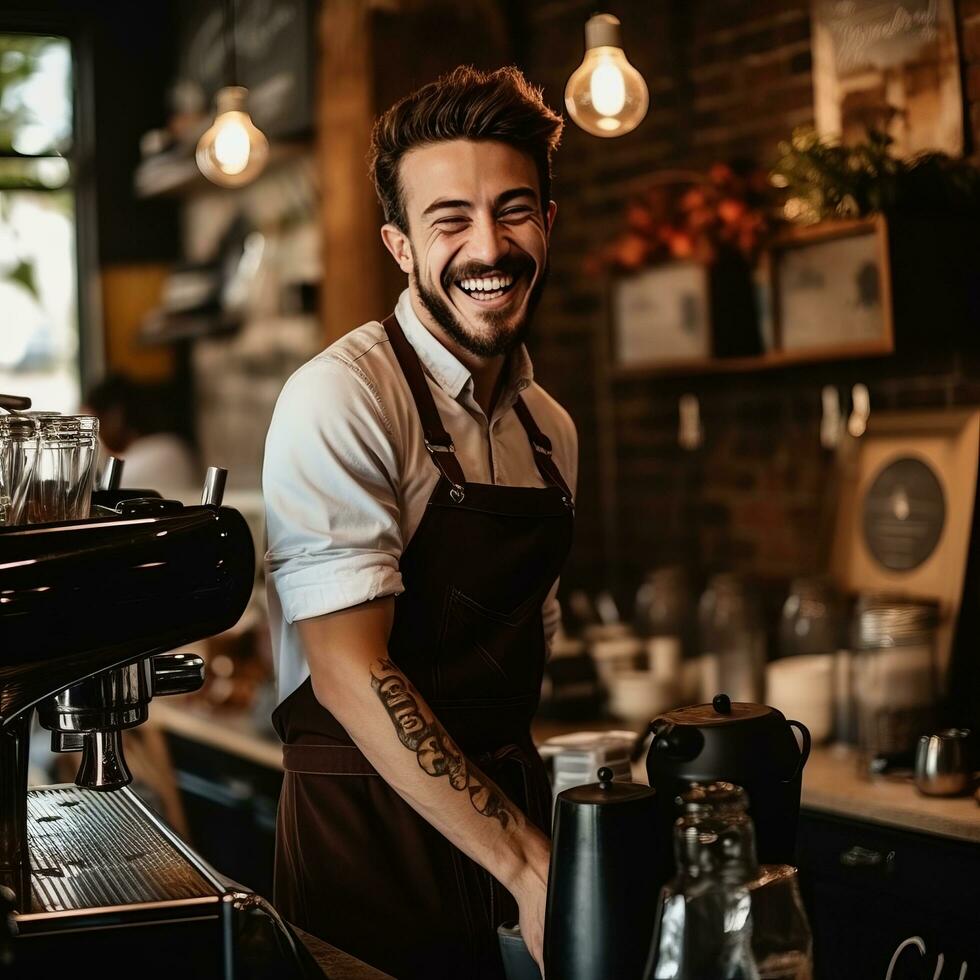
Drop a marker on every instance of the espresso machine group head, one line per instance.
(89, 612)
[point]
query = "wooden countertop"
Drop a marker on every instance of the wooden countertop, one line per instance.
(831, 781)
(833, 784)
(231, 731)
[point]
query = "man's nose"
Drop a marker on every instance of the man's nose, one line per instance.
(487, 241)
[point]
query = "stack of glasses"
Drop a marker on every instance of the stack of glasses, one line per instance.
(47, 466)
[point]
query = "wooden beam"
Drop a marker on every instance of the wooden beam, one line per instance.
(349, 215)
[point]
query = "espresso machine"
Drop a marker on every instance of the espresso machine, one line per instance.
(90, 608)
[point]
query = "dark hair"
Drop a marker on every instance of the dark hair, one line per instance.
(466, 104)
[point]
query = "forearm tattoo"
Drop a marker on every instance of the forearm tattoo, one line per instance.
(435, 751)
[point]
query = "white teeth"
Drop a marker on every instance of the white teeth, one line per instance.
(489, 285)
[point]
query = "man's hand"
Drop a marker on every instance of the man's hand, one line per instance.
(530, 890)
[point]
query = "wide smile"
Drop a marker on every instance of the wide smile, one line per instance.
(490, 292)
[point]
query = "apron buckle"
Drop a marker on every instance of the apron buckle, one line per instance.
(457, 493)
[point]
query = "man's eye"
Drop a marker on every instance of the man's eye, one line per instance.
(455, 222)
(515, 213)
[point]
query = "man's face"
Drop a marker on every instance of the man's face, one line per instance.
(477, 247)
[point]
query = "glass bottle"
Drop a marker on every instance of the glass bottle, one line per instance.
(723, 917)
(733, 642)
(664, 618)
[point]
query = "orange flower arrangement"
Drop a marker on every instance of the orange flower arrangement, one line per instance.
(693, 216)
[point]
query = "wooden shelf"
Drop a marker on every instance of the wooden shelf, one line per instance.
(768, 361)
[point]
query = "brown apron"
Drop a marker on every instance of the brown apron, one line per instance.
(355, 864)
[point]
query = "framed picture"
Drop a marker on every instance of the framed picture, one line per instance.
(831, 289)
(661, 316)
(892, 65)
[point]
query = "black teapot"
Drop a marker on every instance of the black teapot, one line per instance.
(751, 745)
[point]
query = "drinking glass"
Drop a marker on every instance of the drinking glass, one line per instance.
(64, 470)
(18, 451)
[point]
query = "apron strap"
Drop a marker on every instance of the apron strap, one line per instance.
(438, 441)
(541, 446)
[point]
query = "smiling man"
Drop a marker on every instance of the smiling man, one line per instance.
(418, 489)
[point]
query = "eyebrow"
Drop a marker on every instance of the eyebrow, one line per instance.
(504, 198)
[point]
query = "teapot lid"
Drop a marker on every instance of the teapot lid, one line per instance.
(721, 711)
(606, 790)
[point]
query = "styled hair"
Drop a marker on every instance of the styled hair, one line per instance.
(466, 104)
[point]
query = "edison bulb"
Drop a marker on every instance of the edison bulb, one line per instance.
(233, 151)
(606, 95)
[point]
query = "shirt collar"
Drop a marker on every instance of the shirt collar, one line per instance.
(445, 368)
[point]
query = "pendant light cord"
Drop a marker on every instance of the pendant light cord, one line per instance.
(231, 65)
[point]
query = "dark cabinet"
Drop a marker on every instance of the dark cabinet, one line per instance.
(230, 804)
(879, 897)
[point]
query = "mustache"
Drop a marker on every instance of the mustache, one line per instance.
(509, 265)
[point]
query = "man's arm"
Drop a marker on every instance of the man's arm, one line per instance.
(354, 678)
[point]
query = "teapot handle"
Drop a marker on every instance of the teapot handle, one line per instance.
(804, 751)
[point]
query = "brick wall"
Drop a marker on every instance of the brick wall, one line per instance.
(727, 79)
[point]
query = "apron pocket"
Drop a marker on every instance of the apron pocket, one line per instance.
(512, 618)
(488, 655)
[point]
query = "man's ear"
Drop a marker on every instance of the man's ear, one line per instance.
(549, 218)
(397, 242)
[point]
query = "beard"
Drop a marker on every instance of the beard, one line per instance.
(499, 340)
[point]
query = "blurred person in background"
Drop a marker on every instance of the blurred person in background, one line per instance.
(136, 425)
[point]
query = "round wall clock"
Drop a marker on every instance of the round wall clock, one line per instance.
(904, 514)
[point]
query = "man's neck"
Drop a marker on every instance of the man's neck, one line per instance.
(487, 372)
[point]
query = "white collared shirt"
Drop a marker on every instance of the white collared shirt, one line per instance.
(346, 475)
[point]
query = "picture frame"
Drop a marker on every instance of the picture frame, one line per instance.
(661, 316)
(831, 289)
(890, 65)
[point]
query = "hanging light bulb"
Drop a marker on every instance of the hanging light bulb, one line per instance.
(233, 151)
(606, 95)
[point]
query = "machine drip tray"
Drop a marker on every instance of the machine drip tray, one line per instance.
(94, 851)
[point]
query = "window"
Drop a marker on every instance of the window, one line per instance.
(39, 322)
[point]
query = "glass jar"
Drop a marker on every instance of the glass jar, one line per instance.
(724, 916)
(733, 641)
(810, 624)
(894, 676)
(801, 681)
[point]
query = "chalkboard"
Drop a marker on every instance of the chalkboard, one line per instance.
(274, 58)
(892, 65)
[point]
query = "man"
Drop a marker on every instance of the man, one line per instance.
(419, 514)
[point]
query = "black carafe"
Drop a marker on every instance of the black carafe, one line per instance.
(603, 883)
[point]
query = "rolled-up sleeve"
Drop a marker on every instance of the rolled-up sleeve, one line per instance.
(330, 484)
